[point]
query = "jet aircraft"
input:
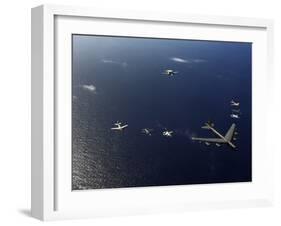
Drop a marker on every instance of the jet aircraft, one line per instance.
(233, 103)
(234, 116)
(147, 131)
(169, 72)
(226, 139)
(167, 133)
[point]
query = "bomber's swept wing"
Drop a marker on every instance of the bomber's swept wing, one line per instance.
(212, 140)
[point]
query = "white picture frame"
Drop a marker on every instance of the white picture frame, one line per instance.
(52, 197)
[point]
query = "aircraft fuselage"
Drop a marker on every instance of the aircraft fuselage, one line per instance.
(221, 136)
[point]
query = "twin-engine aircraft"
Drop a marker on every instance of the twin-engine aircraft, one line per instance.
(226, 139)
(119, 126)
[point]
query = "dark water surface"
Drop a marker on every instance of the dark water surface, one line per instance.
(119, 79)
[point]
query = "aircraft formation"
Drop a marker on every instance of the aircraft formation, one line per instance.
(230, 134)
(118, 126)
(235, 111)
(220, 139)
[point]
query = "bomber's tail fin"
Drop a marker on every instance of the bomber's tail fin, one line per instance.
(230, 132)
(208, 125)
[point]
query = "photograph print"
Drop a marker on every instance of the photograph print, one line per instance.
(160, 112)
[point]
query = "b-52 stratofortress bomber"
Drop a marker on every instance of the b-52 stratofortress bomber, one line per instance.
(227, 139)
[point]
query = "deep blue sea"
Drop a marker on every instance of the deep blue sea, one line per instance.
(120, 79)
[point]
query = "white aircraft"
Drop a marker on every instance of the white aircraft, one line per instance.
(167, 133)
(234, 116)
(147, 131)
(169, 72)
(119, 126)
(233, 103)
(218, 141)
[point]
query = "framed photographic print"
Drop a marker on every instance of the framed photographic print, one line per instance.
(137, 112)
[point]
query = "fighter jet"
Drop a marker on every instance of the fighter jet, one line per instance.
(147, 131)
(169, 72)
(234, 116)
(227, 139)
(167, 133)
(236, 111)
(119, 126)
(233, 103)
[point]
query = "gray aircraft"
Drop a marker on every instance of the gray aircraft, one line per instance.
(227, 139)
(147, 131)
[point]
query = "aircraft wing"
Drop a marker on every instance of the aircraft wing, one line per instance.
(122, 127)
(211, 140)
(115, 128)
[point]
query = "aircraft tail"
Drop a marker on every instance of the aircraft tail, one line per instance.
(208, 125)
(230, 132)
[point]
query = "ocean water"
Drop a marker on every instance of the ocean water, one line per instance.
(120, 79)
